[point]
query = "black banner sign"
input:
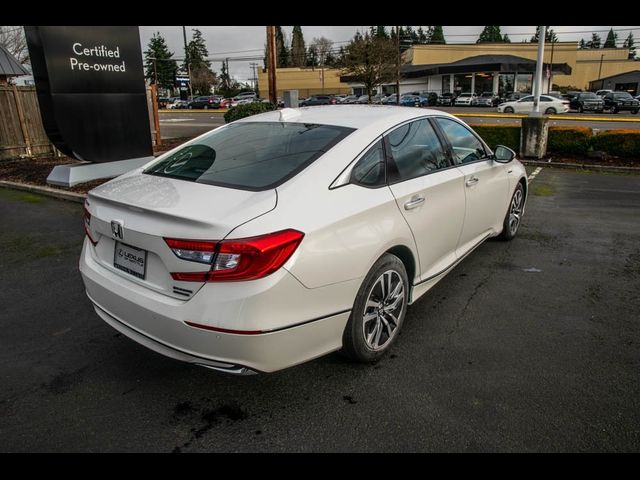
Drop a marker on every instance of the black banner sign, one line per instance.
(91, 91)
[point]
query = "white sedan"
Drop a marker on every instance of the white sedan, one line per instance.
(549, 105)
(287, 235)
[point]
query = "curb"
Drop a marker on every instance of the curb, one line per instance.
(551, 117)
(47, 191)
(582, 166)
(192, 110)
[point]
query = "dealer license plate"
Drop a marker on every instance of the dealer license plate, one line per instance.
(130, 259)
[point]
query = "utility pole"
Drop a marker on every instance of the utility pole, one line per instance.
(398, 69)
(271, 47)
(186, 59)
(600, 69)
(254, 66)
(550, 67)
(537, 85)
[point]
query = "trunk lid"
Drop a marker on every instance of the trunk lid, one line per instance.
(149, 208)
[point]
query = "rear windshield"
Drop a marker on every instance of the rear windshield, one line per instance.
(250, 155)
(622, 95)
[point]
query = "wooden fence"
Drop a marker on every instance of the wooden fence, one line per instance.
(21, 130)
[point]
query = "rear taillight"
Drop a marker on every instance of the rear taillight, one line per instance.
(87, 225)
(236, 260)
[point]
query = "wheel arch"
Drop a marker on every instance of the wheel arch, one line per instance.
(406, 256)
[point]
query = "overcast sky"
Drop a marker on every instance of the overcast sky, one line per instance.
(234, 41)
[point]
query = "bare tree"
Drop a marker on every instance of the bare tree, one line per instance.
(370, 60)
(323, 48)
(12, 38)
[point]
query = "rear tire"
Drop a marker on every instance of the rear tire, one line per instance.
(378, 311)
(513, 218)
(634, 112)
(580, 109)
(614, 109)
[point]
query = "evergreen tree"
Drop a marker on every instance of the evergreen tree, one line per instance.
(298, 50)
(422, 36)
(595, 41)
(224, 81)
(506, 38)
(437, 35)
(282, 54)
(612, 39)
(550, 36)
(490, 34)
(312, 56)
(202, 77)
(381, 32)
(630, 44)
(165, 67)
(582, 44)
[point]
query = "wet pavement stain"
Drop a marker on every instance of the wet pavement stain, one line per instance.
(349, 399)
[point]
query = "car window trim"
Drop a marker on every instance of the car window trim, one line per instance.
(487, 150)
(384, 161)
(391, 162)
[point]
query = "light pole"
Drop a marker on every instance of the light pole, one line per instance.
(600, 69)
(398, 70)
(186, 59)
(537, 86)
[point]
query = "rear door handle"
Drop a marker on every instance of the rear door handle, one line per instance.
(472, 181)
(415, 202)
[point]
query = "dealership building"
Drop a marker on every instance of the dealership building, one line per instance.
(500, 68)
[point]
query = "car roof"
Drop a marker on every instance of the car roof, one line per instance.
(351, 116)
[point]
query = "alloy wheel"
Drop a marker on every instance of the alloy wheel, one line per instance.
(515, 211)
(383, 310)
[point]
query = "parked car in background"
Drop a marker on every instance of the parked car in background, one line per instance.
(318, 100)
(446, 98)
(466, 99)
(178, 104)
(602, 93)
(514, 96)
(390, 99)
(226, 102)
(276, 239)
(378, 98)
(163, 102)
(409, 100)
(245, 95)
(362, 99)
(242, 101)
(620, 102)
(548, 105)
(586, 102)
(487, 99)
(349, 99)
(205, 102)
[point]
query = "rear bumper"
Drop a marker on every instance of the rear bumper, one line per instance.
(158, 321)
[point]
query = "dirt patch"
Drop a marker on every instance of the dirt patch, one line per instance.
(34, 171)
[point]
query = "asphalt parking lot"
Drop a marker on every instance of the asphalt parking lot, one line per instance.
(185, 123)
(532, 345)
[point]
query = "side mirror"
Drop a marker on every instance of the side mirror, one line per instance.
(503, 154)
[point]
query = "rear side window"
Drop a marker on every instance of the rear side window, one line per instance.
(250, 155)
(415, 150)
(370, 169)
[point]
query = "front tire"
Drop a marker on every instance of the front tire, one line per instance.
(634, 112)
(513, 218)
(508, 110)
(550, 111)
(378, 311)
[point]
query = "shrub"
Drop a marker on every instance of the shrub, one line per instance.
(571, 140)
(246, 110)
(507, 135)
(622, 143)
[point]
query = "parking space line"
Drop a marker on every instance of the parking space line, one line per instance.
(533, 175)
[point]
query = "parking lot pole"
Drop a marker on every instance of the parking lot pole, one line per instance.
(398, 70)
(538, 78)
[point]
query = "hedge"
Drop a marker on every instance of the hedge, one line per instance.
(507, 135)
(622, 143)
(246, 110)
(568, 140)
(571, 140)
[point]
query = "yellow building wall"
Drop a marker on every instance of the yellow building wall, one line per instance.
(584, 63)
(306, 80)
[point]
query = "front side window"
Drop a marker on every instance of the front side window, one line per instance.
(370, 169)
(250, 155)
(416, 150)
(466, 146)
